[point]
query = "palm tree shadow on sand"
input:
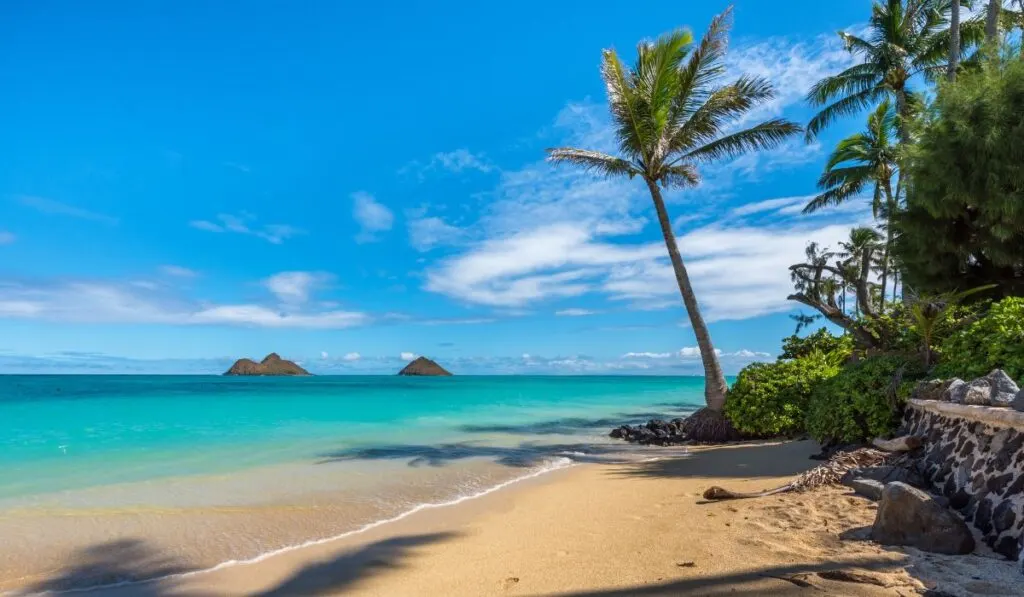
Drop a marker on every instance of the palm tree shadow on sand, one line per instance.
(132, 561)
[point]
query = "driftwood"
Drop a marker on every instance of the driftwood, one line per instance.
(829, 473)
(904, 443)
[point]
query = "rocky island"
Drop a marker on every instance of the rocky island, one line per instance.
(272, 364)
(423, 366)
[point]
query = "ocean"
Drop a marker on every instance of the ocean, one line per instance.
(220, 469)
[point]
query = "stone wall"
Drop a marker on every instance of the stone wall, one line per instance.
(974, 456)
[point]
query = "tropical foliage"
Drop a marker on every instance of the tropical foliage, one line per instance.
(963, 225)
(770, 399)
(822, 341)
(673, 113)
(994, 341)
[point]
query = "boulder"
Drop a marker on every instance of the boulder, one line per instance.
(978, 393)
(904, 443)
(1004, 389)
(929, 390)
(885, 474)
(954, 389)
(423, 366)
(1018, 402)
(909, 516)
(868, 488)
(272, 364)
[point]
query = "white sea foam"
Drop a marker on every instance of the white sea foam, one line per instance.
(552, 465)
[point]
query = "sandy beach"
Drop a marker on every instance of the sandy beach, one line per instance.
(604, 529)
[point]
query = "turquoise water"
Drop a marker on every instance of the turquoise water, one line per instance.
(71, 432)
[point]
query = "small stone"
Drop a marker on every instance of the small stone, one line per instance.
(954, 387)
(1004, 389)
(928, 390)
(868, 488)
(687, 564)
(909, 516)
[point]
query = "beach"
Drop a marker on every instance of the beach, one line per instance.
(639, 528)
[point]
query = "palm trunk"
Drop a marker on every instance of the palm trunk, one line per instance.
(992, 20)
(715, 387)
(891, 212)
(903, 110)
(954, 41)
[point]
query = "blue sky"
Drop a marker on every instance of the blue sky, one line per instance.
(185, 183)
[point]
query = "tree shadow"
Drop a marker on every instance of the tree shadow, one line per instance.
(781, 581)
(742, 461)
(570, 425)
(131, 567)
(116, 562)
(333, 575)
(524, 455)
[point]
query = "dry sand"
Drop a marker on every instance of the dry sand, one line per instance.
(622, 529)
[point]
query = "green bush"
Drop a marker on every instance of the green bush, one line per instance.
(863, 401)
(795, 347)
(771, 399)
(995, 341)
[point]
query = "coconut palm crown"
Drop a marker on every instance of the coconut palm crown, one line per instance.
(672, 113)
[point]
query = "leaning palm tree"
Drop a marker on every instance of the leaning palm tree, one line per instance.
(671, 114)
(905, 39)
(859, 255)
(866, 159)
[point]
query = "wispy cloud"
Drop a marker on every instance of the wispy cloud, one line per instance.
(456, 161)
(106, 302)
(575, 312)
(236, 166)
(7, 238)
(57, 208)
(429, 232)
(295, 287)
(245, 223)
(372, 216)
(177, 271)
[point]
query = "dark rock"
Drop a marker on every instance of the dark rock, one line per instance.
(955, 388)
(272, 364)
(884, 473)
(1004, 390)
(424, 367)
(979, 393)
(908, 516)
(1018, 402)
(1003, 517)
(929, 390)
(868, 488)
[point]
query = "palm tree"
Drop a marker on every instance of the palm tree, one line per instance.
(992, 19)
(670, 113)
(859, 252)
(865, 159)
(906, 38)
(954, 40)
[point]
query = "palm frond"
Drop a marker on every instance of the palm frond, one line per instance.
(844, 107)
(722, 106)
(680, 176)
(631, 130)
(766, 135)
(594, 161)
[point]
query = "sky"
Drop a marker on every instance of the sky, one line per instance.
(187, 183)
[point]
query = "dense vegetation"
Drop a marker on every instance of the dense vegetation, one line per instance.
(993, 341)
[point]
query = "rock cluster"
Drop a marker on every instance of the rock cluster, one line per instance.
(272, 364)
(995, 389)
(655, 432)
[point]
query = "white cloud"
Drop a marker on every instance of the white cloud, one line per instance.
(7, 238)
(428, 232)
(575, 312)
(352, 356)
(455, 161)
(295, 287)
(244, 224)
(772, 205)
(177, 271)
(647, 355)
(324, 355)
(408, 356)
(96, 302)
(372, 216)
(57, 208)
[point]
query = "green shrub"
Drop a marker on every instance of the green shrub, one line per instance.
(995, 341)
(861, 402)
(795, 347)
(771, 399)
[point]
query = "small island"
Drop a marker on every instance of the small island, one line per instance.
(272, 364)
(423, 366)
